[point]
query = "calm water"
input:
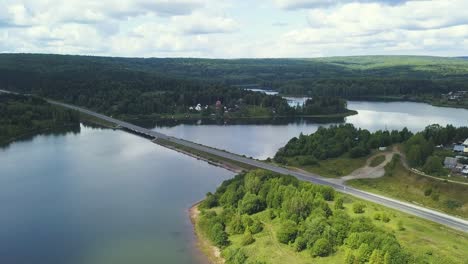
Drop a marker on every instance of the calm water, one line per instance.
(262, 141)
(99, 197)
(104, 196)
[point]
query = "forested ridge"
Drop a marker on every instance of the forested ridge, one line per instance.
(313, 220)
(22, 115)
(139, 87)
(115, 84)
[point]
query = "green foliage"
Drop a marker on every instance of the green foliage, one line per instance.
(251, 204)
(433, 166)
(235, 256)
(321, 248)
(247, 239)
(336, 141)
(22, 115)
(213, 227)
(339, 203)
(287, 233)
(358, 208)
(306, 221)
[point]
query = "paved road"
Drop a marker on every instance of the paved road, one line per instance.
(428, 214)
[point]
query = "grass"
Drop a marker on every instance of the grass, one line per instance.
(428, 241)
(333, 168)
(408, 186)
(376, 161)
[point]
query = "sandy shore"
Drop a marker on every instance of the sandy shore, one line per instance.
(203, 244)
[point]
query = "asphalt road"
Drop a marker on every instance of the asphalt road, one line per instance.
(419, 211)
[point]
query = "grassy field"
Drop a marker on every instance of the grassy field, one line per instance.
(332, 168)
(404, 185)
(376, 161)
(428, 241)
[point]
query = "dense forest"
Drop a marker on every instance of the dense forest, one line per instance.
(141, 86)
(309, 218)
(336, 141)
(23, 115)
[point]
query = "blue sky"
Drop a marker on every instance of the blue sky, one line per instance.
(235, 29)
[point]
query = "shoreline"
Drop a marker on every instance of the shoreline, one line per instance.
(221, 164)
(212, 253)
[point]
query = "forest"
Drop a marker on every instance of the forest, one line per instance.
(336, 141)
(168, 85)
(313, 221)
(23, 115)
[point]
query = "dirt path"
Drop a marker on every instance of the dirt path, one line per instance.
(369, 172)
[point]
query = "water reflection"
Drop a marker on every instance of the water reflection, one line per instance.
(99, 196)
(261, 140)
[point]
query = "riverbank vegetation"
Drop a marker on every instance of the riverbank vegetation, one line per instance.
(402, 184)
(262, 217)
(24, 115)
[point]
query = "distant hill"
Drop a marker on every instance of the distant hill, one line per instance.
(340, 76)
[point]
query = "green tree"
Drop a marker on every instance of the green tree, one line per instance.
(321, 248)
(358, 208)
(287, 232)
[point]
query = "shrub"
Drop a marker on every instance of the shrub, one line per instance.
(385, 218)
(428, 191)
(287, 232)
(300, 244)
(247, 239)
(377, 216)
(251, 204)
(452, 204)
(358, 208)
(321, 248)
(339, 203)
(256, 227)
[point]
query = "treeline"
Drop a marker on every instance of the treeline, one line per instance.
(369, 87)
(323, 105)
(336, 141)
(142, 86)
(311, 219)
(22, 115)
(420, 148)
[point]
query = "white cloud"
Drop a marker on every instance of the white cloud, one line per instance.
(230, 28)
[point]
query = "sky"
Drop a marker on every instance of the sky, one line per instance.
(235, 28)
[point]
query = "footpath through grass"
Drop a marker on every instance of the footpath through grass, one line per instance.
(332, 168)
(405, 185)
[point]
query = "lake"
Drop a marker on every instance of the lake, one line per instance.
(103, 196)
(97, 197)
(263, 140)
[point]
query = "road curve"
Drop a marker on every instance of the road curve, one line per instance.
(419, 211)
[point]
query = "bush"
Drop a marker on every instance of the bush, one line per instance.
(339, 203)
(209, 202)
(358, 208)
(358, 152)
(287, 232)
(235, 256)
(256, 227)
(400, 226)
(300, 244)
(247, 239)
(251, 204)
(377, 216)
(321, 248)
(385, 218)
(428, 192)
(453, 204)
